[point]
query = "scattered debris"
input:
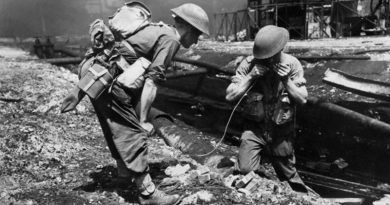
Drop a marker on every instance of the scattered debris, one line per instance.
(200, 197)
(383, 201)
(10, 99)
(205, 196)
(177, 170)
(246, 179)
(340, 163)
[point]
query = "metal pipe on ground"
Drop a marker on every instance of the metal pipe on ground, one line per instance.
(68, 52)
(64, 61)
(77, 60)
(201, 64)
(179, 74)
(372, 50)
(368, 122)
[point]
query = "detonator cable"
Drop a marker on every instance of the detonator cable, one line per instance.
(228, 122)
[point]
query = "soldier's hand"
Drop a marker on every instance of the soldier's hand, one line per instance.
(69, 103)
(283, 70)
(258, 71)
(148, 127)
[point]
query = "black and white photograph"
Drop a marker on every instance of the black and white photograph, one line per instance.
(180, 102)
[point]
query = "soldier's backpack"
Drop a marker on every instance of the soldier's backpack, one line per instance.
(130, 18)
(94, 73)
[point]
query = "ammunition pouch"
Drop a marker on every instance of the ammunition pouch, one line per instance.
(95, 78)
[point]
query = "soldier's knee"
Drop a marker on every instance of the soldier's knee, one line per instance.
(245, 169)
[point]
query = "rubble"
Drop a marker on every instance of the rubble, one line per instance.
(177, 170)
(383, 201)
(245, 180)
(340, 163)
(198, 198)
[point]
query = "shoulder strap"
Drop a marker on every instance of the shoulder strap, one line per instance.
(128, 46)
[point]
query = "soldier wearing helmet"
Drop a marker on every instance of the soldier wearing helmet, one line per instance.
(278, 78)
(126, 129)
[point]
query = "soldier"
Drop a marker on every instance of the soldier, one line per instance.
(125, 131)
(278, 77)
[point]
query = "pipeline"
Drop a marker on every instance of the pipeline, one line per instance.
(209, 66)
(77, 60)
(179, 74)
(64, 61)
(372, 50)
(368, 122)
(68, 52)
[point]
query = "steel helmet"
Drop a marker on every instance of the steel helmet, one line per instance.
(194, 15)
(269, 41)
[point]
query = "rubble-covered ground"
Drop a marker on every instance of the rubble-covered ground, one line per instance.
(52, 158)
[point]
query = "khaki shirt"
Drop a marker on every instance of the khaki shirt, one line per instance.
(158, 43)
(279, 109)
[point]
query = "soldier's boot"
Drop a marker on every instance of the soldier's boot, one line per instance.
(123, 179)
(123, 171)
(150, 195)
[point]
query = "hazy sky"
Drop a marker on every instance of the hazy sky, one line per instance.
(26, 18)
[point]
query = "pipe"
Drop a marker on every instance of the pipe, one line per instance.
(367, 122)
(372, 50)
(201, 64)
(68, 52)
(180, 74)
(64, 61)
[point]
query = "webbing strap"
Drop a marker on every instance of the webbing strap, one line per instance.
(88, 85)
(96, 74)
(128, 46)
(103, 81)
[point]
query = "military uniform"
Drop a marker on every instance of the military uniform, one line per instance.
(275, 134)
(115, 108)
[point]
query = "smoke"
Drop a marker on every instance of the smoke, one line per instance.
(29, 18)
(161, 8)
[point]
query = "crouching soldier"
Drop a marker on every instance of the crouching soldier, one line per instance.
(126, 130)
(278, 77)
